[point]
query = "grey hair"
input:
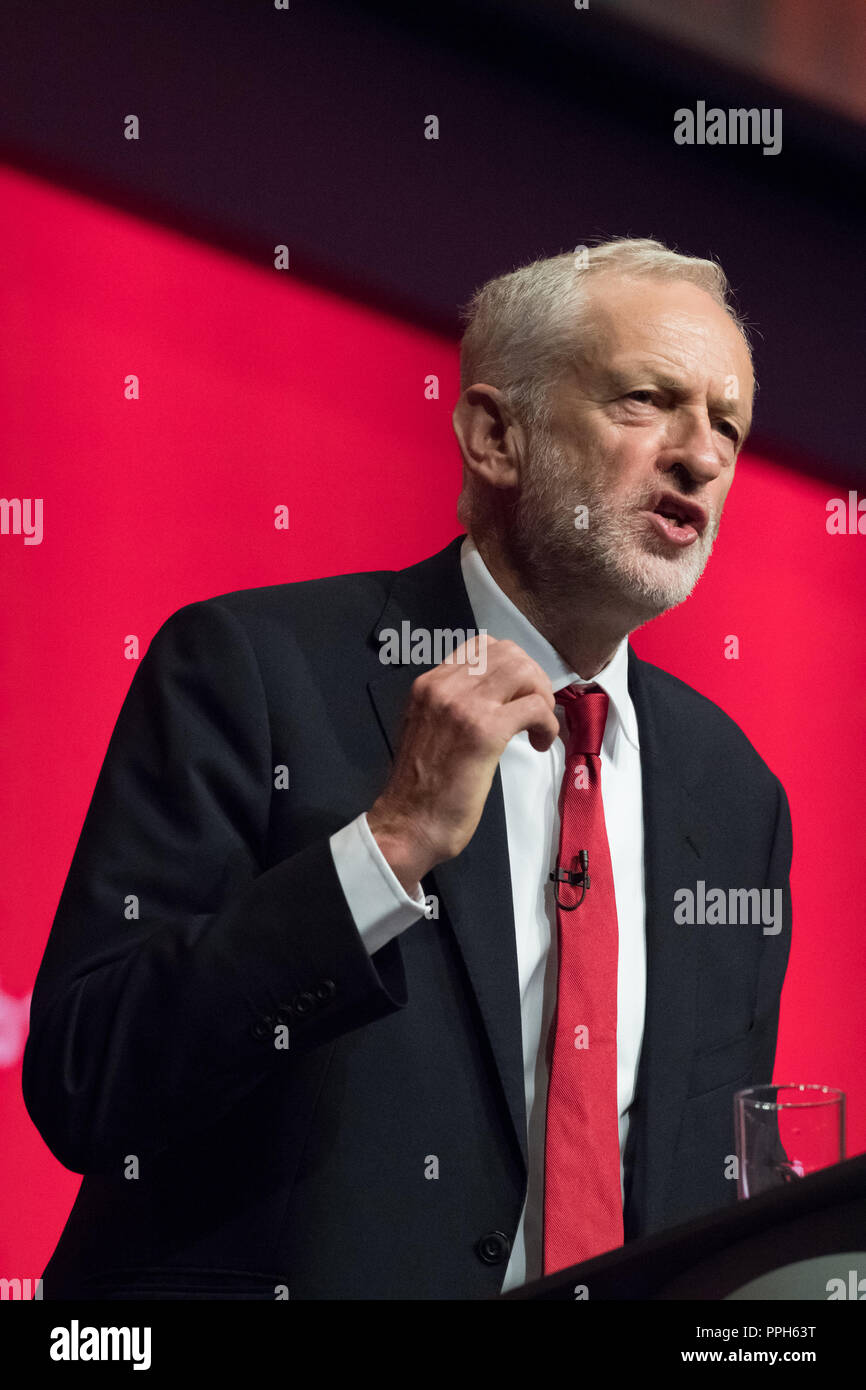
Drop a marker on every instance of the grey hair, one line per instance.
(522, 328)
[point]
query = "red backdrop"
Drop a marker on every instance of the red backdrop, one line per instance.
(258, 391)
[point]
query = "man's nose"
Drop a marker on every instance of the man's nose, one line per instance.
(694, 448)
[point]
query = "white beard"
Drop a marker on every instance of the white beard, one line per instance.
(618, 561)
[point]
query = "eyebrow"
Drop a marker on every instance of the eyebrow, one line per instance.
(620, 377)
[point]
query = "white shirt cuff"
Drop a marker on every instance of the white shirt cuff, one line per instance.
(377, 899)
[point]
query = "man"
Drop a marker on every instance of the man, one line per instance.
(366, 980)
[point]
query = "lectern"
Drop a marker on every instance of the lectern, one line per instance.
(785, 1243)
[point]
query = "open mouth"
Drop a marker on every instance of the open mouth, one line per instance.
(677, 519)
(674, 519)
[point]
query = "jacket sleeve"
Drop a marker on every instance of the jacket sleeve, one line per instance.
(178, 957)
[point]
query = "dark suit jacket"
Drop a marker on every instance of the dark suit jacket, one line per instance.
(153, 1035)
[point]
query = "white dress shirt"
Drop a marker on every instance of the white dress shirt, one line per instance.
(530, 784)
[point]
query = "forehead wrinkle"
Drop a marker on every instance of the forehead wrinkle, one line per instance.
(682, 338)
(655, 304)
(671, 333)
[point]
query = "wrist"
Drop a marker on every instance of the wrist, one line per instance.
(400, 849)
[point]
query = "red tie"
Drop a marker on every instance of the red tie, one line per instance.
(582, 1195)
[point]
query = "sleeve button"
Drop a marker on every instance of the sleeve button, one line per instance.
(493, 1248)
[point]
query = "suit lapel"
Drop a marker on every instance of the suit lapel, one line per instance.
(474, 889)
(675, 840)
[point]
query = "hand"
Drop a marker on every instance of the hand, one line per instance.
(457, 725)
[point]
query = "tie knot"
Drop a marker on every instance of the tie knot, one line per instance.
(585, 709)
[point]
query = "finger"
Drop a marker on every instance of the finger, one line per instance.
(509, 671)
(530, 713)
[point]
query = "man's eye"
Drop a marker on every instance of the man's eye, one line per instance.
(647, 395)
(733, 432)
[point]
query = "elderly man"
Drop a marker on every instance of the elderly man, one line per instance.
(367, 979)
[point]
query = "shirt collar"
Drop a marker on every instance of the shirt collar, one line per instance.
(494, 611)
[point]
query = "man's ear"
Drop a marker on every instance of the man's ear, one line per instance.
(491, 440)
